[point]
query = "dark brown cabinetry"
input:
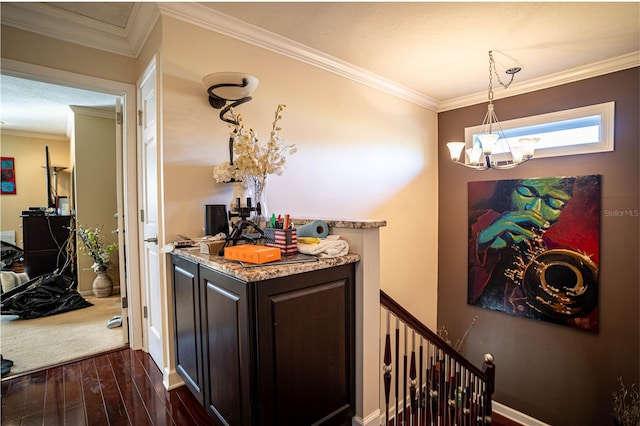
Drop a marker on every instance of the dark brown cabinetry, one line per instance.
(186, 311)
(229, 366)
(272, 352)
(44, 243)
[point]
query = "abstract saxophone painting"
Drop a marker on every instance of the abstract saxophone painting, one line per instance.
(534, 248)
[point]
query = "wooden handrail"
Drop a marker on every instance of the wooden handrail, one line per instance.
(455, 390)
(395, 308)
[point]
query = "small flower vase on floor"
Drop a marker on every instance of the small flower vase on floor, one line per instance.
(102, 284)
(258, 188)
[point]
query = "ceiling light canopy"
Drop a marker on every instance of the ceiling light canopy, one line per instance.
(490, 148)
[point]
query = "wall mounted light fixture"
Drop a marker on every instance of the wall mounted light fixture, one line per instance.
(483, 154)
(228, 90)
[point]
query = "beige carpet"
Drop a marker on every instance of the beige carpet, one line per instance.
(41, 342)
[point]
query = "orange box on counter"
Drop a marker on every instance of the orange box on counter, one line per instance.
(251, 253)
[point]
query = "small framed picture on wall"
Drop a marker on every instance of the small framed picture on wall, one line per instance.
(8, 175)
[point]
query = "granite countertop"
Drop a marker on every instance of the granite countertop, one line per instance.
(260, 272)
(343, 223)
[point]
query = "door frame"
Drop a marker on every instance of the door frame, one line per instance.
(152, 67)
(129, 271)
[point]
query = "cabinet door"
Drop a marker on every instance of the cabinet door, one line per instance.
(227, 348)
(306, 340)
(44, 239)
(188, 338)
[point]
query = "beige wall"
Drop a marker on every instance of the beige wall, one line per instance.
(28, 151)
(361, 153)
(36, 49)
(94, 146)
(151, 48)
(559, 375)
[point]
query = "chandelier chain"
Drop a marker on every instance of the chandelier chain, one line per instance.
(492, 70)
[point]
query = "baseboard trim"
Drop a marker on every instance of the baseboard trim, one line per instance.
(500, 410)
(84, 293)
(171, 379)
(372, 419)
(516, 416)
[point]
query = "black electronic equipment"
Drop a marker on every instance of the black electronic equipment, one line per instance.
(215, 219)
(238, 234)
(34, 211)
(51, 203)
(244, 212)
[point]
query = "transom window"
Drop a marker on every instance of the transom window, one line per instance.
(583, 130)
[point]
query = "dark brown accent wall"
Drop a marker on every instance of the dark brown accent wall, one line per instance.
(556, 374)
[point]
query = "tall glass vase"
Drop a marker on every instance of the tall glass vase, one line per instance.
(257, 186)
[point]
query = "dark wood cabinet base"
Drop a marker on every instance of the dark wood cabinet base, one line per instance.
(273, 352)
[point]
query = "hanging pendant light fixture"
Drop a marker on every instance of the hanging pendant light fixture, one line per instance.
(490, 148)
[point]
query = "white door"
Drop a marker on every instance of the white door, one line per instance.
(152, 310)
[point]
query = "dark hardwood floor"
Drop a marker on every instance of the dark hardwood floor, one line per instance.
(123, 387)
(497, 420)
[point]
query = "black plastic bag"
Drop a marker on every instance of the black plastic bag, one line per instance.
(10, 254)
(45, 295)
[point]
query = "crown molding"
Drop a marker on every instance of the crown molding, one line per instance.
(142, 21)
(232, 27)
(109, 113)
(213, 20)
(33, 135)
(106, 113)
(596, 69)
(49, 21)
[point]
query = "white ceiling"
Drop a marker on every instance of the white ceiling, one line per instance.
(110, 13)
(441, 49)
(432, 53)
(37, 107)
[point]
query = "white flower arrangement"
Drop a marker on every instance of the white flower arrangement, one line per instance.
(95, 246)
(254, 160)
(227, 172)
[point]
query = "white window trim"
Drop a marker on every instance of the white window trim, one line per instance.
(606, 111)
